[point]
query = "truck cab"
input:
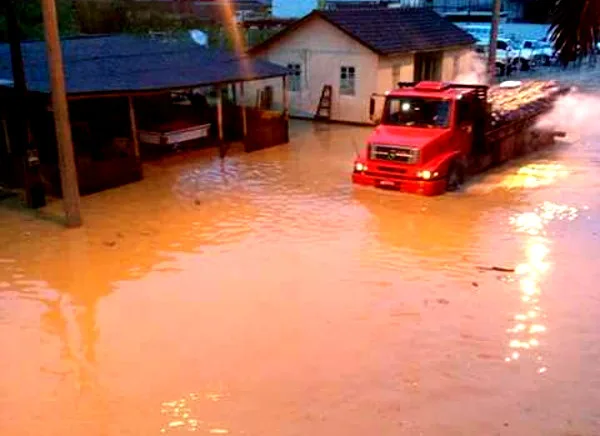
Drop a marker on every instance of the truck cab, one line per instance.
(426, 135)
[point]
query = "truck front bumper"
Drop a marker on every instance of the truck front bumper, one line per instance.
(413, 186)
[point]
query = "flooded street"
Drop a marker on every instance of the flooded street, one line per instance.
(269, 296)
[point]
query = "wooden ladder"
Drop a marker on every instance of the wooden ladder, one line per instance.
(324, 108)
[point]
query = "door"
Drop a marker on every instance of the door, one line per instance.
(464, 125)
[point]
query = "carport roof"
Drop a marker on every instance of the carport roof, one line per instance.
(129, 64)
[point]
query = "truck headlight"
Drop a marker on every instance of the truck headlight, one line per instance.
(360, 167)
(427, 175)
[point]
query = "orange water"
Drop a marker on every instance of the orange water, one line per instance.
(269, 296)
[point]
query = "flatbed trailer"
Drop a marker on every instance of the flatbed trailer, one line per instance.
(412, 151)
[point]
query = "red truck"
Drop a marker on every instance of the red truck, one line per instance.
(432, 135)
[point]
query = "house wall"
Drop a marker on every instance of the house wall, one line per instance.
(321, 50)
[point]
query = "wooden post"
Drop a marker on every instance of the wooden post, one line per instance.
(68, 171)
(494, 41)
(220, 112)
(243, 104)
(34, 188)
(134, 130)
(285, 97)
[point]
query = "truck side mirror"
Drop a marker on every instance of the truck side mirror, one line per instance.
(371, 107)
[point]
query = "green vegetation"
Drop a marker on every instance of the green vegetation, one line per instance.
(575, 28)
(30, 19)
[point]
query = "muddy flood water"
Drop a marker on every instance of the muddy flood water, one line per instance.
(269, 296)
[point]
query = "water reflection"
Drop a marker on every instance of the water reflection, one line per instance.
(535, 175)
(526, 334)
(184, 414)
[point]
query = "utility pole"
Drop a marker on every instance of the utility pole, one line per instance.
(494, 40)
(32, 182)
(60, 108)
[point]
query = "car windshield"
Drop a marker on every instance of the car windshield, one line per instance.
(417, 112)
(528, 44)
(502, 45)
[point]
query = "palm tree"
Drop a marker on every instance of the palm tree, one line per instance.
(575, 28)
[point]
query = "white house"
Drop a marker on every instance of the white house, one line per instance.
(359, 52)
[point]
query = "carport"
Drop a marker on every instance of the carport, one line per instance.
(116, 86)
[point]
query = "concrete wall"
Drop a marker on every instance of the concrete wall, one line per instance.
(321, 50)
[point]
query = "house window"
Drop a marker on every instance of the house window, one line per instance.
(294, 77)
(347, 81)
(428, 66)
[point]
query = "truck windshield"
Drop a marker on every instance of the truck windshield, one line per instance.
(417, 112)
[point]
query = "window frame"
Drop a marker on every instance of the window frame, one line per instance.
(294, 77)
(348, 83)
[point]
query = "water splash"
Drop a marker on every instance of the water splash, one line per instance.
(576, 114)
(473, 71)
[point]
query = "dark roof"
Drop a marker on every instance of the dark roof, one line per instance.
(129, 64)
(389, 31)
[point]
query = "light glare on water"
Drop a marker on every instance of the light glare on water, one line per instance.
(268, 296)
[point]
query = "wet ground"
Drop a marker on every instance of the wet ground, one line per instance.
(269, 296)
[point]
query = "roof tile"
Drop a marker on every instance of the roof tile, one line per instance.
(397, 30)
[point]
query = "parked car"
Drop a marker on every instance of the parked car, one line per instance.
(505, 51)
(544, 53)
(504, 56)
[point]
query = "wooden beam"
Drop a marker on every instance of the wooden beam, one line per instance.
(220, 112)
(243, 107)
(6, 136)
(68, 171)
(286, 103)
(134, 130)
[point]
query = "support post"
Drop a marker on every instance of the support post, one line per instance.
(220, 112)
(68, 171)
(134, 130)
(34, 188)
(286, 103)
(494, 40)
(222, 146)
(243, 105)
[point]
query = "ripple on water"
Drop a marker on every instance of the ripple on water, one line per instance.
(329, 306)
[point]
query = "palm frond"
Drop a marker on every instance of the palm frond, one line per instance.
(575, 27)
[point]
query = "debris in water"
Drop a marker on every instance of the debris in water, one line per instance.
(197, 202)
(506, 424)
(496, 268)
(110, 243)
(475, 284)
(443, 301)
(120, 235)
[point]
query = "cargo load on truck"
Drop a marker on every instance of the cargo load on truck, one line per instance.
(432, 135)
(513, 101)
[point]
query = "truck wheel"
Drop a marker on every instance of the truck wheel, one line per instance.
(455, 177)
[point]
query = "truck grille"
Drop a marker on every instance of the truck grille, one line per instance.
(394, 153)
